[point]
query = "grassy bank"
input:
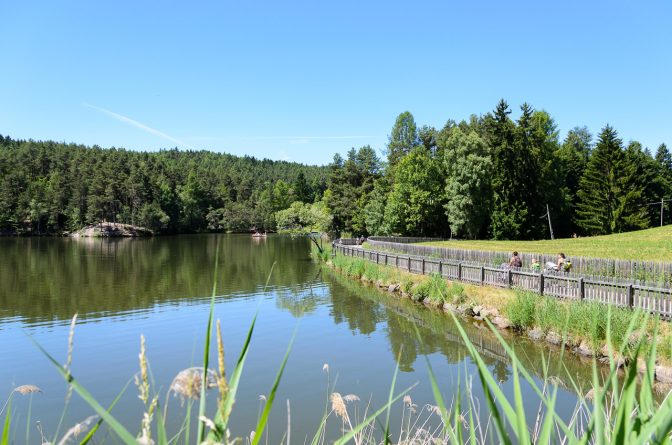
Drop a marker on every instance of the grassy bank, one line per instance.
(647, 245)
(579, 325)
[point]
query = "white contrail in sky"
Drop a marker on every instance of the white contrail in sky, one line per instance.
(136, 124)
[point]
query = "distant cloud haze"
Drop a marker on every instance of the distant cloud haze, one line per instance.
(140, 125)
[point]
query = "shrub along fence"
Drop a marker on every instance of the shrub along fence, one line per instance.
(638, 272)
(609, 290)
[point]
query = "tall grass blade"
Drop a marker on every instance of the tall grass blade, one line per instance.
(162, 437)
(435, 390)
(4, 440)
(389, 398)
(114, 424)
(523, 434)
(95, 428)
(222, 417)
(263, 420)
(206, 351)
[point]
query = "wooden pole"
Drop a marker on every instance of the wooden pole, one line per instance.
(550, 227)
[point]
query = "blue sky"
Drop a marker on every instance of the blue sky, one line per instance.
(303, 80)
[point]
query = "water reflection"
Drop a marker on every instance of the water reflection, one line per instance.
(159, 288)
(363, 307)
(52, 278)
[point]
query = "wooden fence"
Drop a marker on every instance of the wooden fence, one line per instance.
(608, 290)
(639, 272)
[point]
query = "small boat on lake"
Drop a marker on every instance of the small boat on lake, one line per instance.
(259, 235)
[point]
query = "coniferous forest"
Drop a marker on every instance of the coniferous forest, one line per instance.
(490, 176)
(49, 187)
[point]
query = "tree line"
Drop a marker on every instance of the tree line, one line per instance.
(486, 177)
(49, 188)
(495, 177)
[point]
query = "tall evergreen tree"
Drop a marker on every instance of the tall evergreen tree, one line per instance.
(509, 212)
(301, 189)
(600, 185)
(403, 138)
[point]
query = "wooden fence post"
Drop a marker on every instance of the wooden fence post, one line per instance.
(541, 283)
(423, 265)
(509, 278)
(396, 261)
(377, 258)
(631, 296)
(459, 271)
(482, 275)
(440, 268)
(409, 263)
(582, 289)
(386, 259)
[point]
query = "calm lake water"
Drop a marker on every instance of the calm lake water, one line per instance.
(160, 288)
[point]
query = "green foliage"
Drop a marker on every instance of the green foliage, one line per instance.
(551, 315)
(456, 294)
(468, 169)
(403, 139)
(415, 202)
(48, 187)
(350, 182)
(616, 186)
(521, 311)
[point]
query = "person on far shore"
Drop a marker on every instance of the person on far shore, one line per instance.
(515, 262)
(559, 265)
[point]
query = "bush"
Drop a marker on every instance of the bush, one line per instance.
(456, 294)
(521, 311)
(421, 291)
(588, 320)
(371, 271)
(407, 285)
(438, 288)
(356, 268)
(551, 315)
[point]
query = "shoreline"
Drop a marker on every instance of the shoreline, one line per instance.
(498, 307)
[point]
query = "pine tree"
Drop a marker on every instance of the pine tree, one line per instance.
(301, 189)
(509, 212)
(600, 185)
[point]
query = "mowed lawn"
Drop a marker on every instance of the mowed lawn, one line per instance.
(650, 245)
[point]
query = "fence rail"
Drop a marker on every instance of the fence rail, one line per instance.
(640, 272)
(657, 300)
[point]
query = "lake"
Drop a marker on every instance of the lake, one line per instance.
(160, 288)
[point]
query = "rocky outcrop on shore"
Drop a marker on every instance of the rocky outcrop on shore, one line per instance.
(111, 230)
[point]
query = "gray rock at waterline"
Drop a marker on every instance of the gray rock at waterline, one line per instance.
(450, 307)
(585, 349)
(609, 356)
(501, 322)
(465, 309)
(554, 338)
(664, 374)
(619, 362)
(393, 288)
(536, 334)
(477, 310)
